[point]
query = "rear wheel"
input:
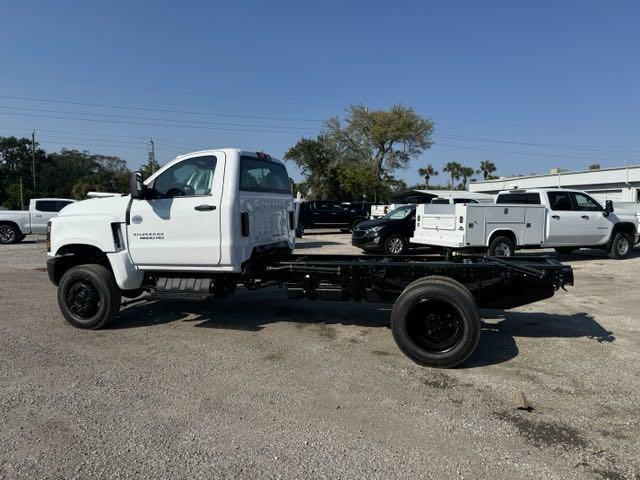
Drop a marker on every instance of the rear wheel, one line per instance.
(9, 234)
(88, 296)
(395, 245)
(621, 246)
(436, 322)
(501, 247)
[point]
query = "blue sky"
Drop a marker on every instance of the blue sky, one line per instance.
(528, 85)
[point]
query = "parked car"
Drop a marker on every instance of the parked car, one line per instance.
(536, 218)
(389, 234)
(17, 224)
(330, 214)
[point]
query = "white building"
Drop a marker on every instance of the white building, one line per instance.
(621, 184)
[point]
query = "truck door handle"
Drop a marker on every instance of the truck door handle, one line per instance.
(586, 217)
(557, 217)
(203, 208)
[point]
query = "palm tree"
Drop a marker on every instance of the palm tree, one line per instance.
(487, 167)
(426, 174)
(454, 170)
(466, 173)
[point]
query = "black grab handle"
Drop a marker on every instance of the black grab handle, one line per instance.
(202, 208)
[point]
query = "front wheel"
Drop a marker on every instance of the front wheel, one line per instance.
(395, 245)
(501, 247)
(621, 246)
(88, 296)
(436, 322)
(9, 234)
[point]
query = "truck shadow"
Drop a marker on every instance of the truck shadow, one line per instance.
(499, 333)
(303, 245)
(253, 311)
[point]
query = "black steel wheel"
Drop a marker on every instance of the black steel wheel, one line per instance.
(9, 234)
(436, 322)
(88, 296)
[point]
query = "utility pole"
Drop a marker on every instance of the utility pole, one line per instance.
(33, 160)
(21, 195)
(152, 156)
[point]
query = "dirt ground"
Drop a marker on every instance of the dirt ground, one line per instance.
(261, 387)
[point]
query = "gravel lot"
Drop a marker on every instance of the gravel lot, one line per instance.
(261, 387)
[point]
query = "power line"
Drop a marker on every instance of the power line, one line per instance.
(132, 117)
(594, 148)
(163, 110)
(127, 122)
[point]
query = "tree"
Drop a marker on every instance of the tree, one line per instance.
(149, 168)
(383, 140)
(317, 161)
(453, 168)
(466, 173)
(16, 164)
(487, 167)
(427, 173)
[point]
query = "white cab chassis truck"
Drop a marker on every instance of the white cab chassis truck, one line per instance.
(211, 221)
(17, 224)
(562, 219)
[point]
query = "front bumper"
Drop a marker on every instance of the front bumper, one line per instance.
(366, 240)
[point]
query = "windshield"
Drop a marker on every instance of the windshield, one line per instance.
(399, 213)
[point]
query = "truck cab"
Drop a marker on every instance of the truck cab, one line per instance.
(207, 211)
(575, 219)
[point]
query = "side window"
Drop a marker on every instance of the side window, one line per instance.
(258, 175)
(584, 203)
(187, 178)
(519, 198)
(46, 206)
(560, 201)
(61, 204)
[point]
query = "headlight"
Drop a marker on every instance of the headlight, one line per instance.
(375, 229)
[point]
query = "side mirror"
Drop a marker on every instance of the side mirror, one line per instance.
(608, 208)
(136, 187)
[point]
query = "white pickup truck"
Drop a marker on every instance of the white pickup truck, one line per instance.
(537, 218)
(211, 221)
(17, 224)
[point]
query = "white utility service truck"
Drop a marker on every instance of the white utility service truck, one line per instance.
(563, 219)
(211, 221)
(17, 224)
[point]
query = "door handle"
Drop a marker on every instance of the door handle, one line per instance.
(37, 215)
(203, 208)
(586, 217)
(557, 217)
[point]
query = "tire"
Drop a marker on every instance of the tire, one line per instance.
(564, 250)
(395, 245)
(88, 296)
(424, 306)
(621, 246)
(9, 234)
(501, 246)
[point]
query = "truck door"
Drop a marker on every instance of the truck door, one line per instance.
(179, 224)
(563, 222)
(594, 226)
(43, 211)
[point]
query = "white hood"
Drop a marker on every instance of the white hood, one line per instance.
(114, 208)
